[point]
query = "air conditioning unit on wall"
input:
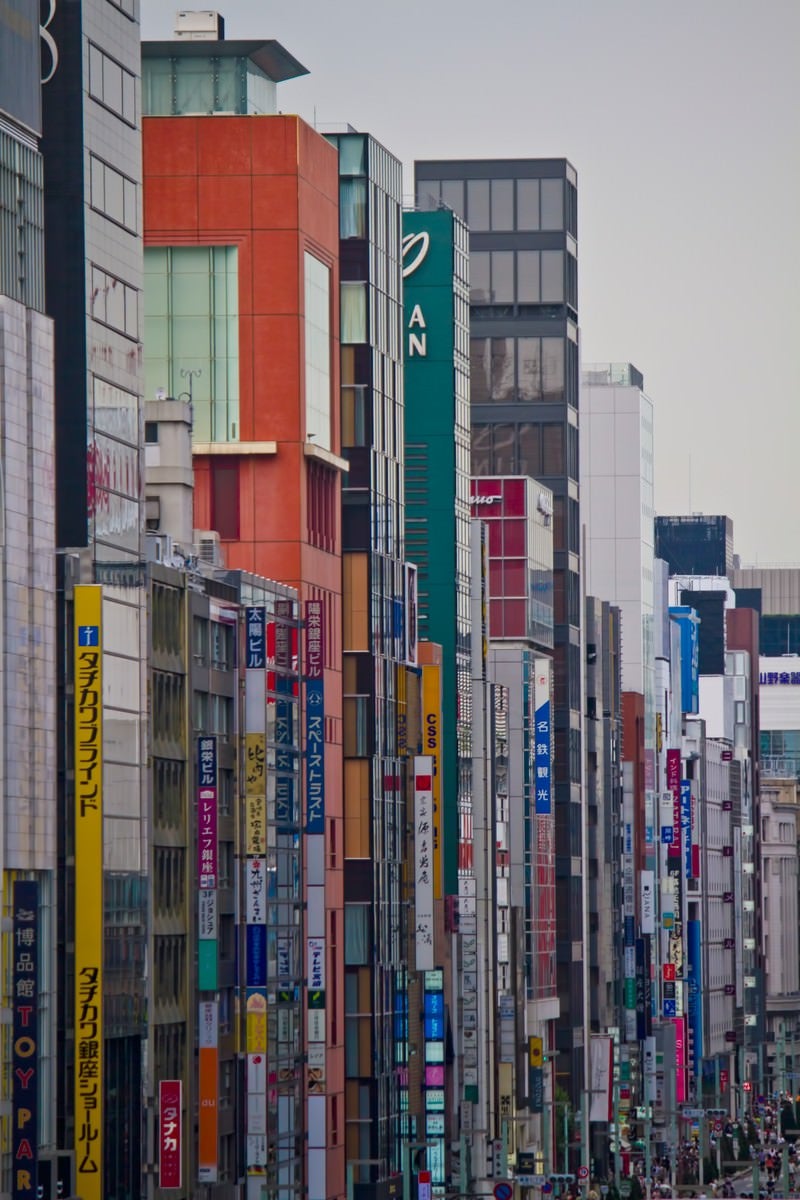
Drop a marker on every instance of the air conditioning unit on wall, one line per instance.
(207, 547)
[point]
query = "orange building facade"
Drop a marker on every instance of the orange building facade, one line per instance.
(267, 467)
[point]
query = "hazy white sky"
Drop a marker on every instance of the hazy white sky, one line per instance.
(683, 121)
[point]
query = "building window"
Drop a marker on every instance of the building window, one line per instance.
(151, 432)
(191, 307)
(321, 506)
(113, 194)
(112, 85)
(354, 313)
(352, 208)
(318, 351)
(114, 303)
(225, 499)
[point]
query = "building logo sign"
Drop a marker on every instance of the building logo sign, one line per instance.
(415, 251)
(485, 499)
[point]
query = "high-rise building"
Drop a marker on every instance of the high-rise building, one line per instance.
(375, 649)
(522, 218)
(28, 771)
(436, 373)
(91, 146)
(242, 320)
(696, 544)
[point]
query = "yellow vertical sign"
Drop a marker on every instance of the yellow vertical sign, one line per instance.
(88, 771)
(432, 745)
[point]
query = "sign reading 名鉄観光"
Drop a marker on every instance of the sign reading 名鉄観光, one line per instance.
(88, 773)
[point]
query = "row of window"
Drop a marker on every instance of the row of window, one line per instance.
(523, 370)
(112, 85)
(113, 194)
(114, 303)
(523, 277)
(501, 205)
(523, 449)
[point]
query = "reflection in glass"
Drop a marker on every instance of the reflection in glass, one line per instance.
(503, 277)
(479, 281)
(502, 389)
(481, 449)
(504, 449)
(552, 369)
(529, 382)
(479, 371)
(529, 442)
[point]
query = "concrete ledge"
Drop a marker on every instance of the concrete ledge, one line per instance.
(326, 456)
(236, 448)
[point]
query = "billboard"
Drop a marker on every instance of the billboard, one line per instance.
(25, 1050)
(88, 772)
(688, 622)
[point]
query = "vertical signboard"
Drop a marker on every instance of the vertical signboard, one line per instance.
(88, 770)
(542, 768)
(207, 864)
(25, 1052)
(260, 641)
(694, 974)
(432, 743)
(423, 861)
(285, 796)
(208, 1091)
(170, 1142)
(686, 826)
(315, 719)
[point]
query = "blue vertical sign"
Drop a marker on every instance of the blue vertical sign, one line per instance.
(255, 632)
(542, 780)
(686, 825)
(315, 719)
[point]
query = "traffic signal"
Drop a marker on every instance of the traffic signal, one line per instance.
(561, 1178)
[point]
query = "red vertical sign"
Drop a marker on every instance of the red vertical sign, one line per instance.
(170, 1096)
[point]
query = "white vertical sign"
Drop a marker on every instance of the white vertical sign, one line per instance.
(423, 861)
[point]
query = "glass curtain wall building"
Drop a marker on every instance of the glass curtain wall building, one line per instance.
(92, 215)
(374, 649)
(522, 218)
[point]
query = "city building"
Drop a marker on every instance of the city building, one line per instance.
(522, 217)
(517, 515)
(28, 823)
(378, 642)
(436, 388)
(241, 313)
(91, 146)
